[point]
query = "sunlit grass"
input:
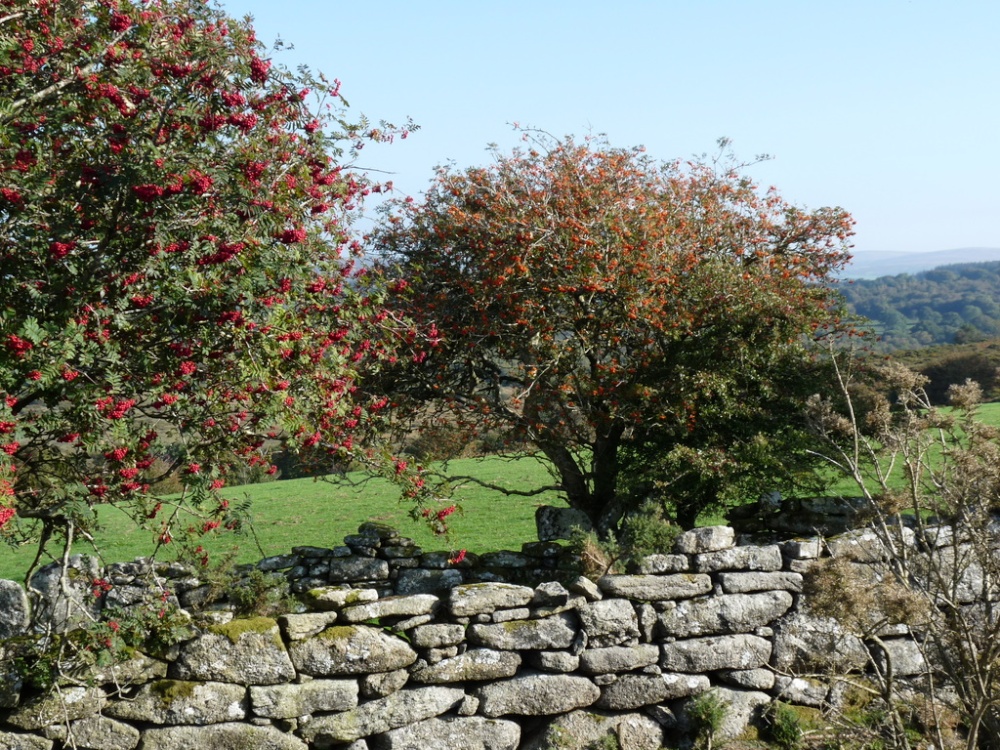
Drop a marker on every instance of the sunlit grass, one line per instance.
(319, 513)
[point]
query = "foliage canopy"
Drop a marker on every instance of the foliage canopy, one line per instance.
(174, 273)
(608, 311)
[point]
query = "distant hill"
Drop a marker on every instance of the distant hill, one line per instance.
(950, 304)
(871, 265)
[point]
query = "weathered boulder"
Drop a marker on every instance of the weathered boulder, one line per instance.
(746, 583)
(60, 608)
(582, 730)
(298, 699)
(560, 523)
(299, 626)
(329, 598)
(94, 733)
(705, 539)
(618, 659)
(479, 598)
(631, 691)
(392, 606)
(350, 649)
(182, 702)
(246, 652)
(544, 634)
(609, 622)
(353, 569)
(422, 581)
(437, 635)
(68, 704)
(474, 665)
(729, 613)
(804, 643)
(15, 741)
(14, 610)
(740, 558)
(711, 654)
(536, 695)
(382, 715)
(220, 737)
(466, 732)
(656, 588)
(742, 707)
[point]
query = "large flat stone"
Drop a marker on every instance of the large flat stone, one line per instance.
(536, 695)
(350, 649)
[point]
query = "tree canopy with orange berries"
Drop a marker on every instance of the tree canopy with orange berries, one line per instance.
(642, 325)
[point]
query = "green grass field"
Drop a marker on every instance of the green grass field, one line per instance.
(309, 512)
(298, 512)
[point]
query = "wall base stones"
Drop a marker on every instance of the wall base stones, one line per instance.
(399, 650)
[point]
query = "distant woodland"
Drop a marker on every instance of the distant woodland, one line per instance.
(947, 305)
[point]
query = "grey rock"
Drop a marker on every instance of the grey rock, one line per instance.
(545, 634)
(134, 669)
(382, 715)
(476, 664)
(582, 730)
(904, 654)
(437, 635)
(182, 702)
(805, 643)
(550, 594)
(95, 733)
(15, 741)
(802, 549)
(220, 737)
(507, 615)
(59, 610)
(658, 564)
(485, 598)
(14, 610)
(587, 588)
(745, 583)
(468, 733)
(742, 706)
(740, 558)
(705, 539)
(801, 690)
(631, 691)
(553, 661)
(729, 613)
(618, 659)
(246, 652)
(656, 588)
(754, 679)
(536, 695)
(298, 699)
(683, 685)
(350, 649)
(299, 626)
(609, 622)
(393, 606)
(381, 684)
(700, 655)
(560, 523)
(278, 562)
(68, 705)
(353, 569)
(330, 598)
(504, 559)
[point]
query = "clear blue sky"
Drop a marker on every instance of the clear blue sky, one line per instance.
(889, 108)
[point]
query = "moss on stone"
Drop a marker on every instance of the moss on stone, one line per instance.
(234, 629)
(338, 632)
(171, 690)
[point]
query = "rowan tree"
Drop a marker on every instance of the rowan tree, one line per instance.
(175, 273)
(608, 311)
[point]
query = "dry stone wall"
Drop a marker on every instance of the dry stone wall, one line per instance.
(404, 650)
